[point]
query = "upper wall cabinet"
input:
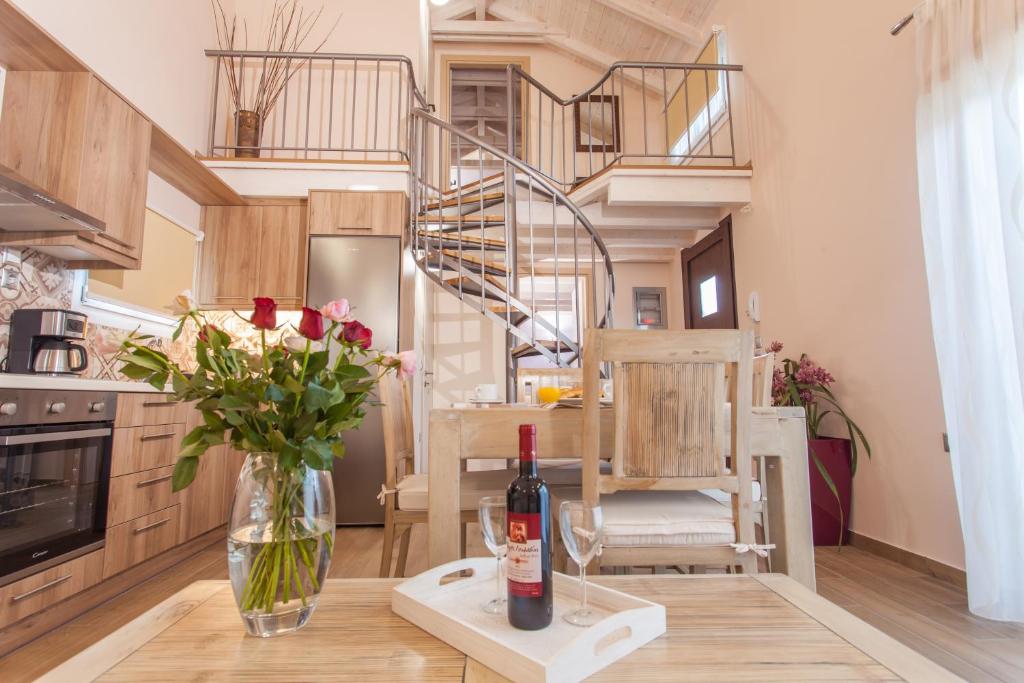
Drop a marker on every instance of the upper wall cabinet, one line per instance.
(78, 140)
(349, 212)
(251, 251)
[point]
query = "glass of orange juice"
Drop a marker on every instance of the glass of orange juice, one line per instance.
(549, 394)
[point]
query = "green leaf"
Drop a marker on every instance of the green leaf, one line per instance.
(179, 328)
(276, 393)
(184, 472)
(136, 372)
(229, 402)
(159, 381)
(317, 454)
(317, 398)
(232, 418)
(293, 385)
(193, 436)
(145, 361)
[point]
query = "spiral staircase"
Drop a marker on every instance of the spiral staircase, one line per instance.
(502, 237)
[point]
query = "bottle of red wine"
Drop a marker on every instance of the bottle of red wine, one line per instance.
(529, 540)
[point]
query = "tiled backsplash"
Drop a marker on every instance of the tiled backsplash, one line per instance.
(46, 282)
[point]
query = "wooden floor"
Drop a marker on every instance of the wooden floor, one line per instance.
(923, 612)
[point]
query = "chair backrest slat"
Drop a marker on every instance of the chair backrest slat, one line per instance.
(396, 414)
(672, 419)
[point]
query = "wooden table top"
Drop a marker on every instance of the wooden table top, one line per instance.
(720, 627)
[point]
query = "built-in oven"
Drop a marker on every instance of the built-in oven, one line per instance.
(54, 477)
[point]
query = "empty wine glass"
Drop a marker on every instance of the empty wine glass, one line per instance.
(581, 527)
(492, 525)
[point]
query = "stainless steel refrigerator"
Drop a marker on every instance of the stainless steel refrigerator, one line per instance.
(367, 272)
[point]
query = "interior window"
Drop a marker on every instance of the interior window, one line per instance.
(168, 268)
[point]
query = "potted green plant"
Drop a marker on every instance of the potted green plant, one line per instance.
(289, 408)
(832, 461)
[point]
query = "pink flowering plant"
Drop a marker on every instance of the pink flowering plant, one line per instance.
(806, 384)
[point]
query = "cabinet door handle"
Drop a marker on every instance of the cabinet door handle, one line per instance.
(45, 586)
(153, 481)
(151, 437)
(354, 227)
(157, 404)
(151, 526)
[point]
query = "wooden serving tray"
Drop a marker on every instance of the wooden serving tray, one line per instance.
(449, 608)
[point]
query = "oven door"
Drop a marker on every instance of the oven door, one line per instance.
(53, 493)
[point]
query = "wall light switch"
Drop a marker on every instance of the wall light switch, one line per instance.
(945, 442)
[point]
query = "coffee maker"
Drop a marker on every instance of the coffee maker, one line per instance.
(41, 342)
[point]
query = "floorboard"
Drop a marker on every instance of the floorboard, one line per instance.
(925, 613)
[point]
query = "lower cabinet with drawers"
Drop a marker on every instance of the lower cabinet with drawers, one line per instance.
(145, 517)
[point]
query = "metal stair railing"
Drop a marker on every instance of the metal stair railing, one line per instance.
(494, 261)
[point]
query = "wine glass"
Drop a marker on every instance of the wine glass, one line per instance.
(492, 525)
(581, 527)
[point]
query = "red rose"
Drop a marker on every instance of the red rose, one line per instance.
(204, 333)
(312, 324)
(264, 313)
(355, 332)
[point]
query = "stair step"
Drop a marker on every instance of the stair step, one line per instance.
(468, 241)
(470, 260)
(517, 316)
(469, 286)
(487, 181)
(451, 223)
(469, 199)
(525, 350)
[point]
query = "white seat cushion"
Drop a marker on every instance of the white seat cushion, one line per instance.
(726, 498)
(412, 490)
(661, 518)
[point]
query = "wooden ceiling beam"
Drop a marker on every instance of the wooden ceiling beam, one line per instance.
(646, 14)
(456, 9)
(472, 30)
(481, 10)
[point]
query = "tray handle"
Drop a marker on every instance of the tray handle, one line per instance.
(430, 580)
(615, 636)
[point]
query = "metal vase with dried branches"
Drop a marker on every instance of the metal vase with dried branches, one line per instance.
(290, 26)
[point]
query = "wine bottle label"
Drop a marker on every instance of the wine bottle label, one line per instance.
(524, 555)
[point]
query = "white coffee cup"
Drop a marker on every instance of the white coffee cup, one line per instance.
(486, 392)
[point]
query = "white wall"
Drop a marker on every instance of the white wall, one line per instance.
(833, 241)
(151, 52)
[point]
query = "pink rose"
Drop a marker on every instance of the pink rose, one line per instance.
(405, 361)
(337, 311)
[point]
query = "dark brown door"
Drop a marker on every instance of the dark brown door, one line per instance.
(709, 283)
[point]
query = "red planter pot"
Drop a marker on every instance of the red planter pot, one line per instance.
(826, 521)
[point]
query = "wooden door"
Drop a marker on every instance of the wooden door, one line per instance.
(281, 269)
(709, 281)
(231, 249)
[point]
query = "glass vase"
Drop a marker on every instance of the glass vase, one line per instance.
(280, 538)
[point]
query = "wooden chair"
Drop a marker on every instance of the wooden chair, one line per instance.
(670, 437)
(404, 495)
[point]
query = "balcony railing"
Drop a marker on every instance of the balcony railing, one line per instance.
(337, 107)
(637, 113)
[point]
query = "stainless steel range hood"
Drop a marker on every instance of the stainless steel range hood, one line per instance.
(24, 208)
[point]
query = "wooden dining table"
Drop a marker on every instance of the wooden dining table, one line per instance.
(480, 433)
(763, 627)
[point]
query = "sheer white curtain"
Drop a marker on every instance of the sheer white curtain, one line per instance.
(971, 172)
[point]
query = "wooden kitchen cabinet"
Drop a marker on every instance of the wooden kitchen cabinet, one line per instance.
(203, 503)
(251, 251)
(79, 141)
(348, 212)
(37, 592)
